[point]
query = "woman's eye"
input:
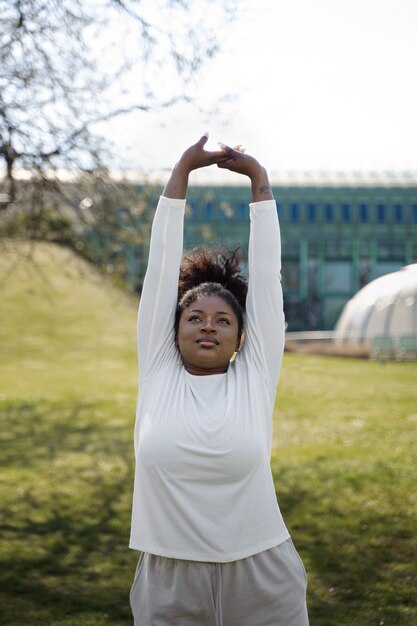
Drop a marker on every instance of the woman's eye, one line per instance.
(224, 321)
(193, 318)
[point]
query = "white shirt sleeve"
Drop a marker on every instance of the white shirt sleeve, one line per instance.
(265, 323)
(155, 332)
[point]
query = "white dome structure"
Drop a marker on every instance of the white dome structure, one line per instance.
(386, 307)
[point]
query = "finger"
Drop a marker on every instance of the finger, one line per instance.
(225, 163)
(203, 140)
(216, 156)
(228, 150)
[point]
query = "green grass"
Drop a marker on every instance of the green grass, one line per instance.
(345, 472)
(344, 460)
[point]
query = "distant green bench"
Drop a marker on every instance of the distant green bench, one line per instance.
(407, 347)
(382, 347)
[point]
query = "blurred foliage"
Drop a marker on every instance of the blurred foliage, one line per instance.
(115, 228)
(104, 221)
(41, 224)
(67, 67)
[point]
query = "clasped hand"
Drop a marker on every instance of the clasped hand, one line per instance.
(228, 158)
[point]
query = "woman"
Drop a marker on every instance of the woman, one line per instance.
(215, 550)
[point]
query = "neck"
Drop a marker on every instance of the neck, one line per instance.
(197, 371)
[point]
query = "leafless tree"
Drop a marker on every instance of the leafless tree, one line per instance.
(61, 64)
(57, 83)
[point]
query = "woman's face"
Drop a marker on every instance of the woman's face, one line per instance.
(207, 336)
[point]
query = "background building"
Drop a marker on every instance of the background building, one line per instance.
(339, 232)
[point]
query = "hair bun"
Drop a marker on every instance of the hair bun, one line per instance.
(213, 265)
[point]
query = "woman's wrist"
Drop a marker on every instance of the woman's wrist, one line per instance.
(261, 188)
(183, 168)
(177, 184)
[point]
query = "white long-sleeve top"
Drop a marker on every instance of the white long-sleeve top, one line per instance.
(203, 487)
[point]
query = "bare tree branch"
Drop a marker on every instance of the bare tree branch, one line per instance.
(54, 86)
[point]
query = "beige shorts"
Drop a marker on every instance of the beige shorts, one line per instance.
(266, 589)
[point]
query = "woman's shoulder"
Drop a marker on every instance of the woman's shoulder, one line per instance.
(245, 367)
(167, 374)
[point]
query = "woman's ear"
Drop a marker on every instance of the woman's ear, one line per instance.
(240, 342)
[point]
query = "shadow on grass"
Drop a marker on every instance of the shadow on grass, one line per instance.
(65, 519)
(361, 562)
(33, 432)
(65, 515)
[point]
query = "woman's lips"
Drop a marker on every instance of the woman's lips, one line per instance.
(207, 343)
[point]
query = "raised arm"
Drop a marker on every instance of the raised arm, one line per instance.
(160, 288)
(265, 324)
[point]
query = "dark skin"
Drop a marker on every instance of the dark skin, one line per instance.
(208, 335)
(208, 329)
(228, 158)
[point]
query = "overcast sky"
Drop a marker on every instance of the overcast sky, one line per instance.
(314, 85)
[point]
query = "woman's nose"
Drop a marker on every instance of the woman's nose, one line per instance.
(208, 327)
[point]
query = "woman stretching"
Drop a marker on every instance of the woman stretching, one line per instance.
(214, 548)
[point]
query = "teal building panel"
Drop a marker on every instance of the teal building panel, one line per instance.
(338, 233)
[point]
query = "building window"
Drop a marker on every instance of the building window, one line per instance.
(364, 271)
(208, 212)
(346, 213)
(226, 211)
(311, 212)
(414, 213)
(294, 212)
(398, 213)
(328, 212)
(332, 308)
(363, 212)
(338, 276)
(279, 210)
(290, 276)
(192, 209)
(386, 267)
(380, 212)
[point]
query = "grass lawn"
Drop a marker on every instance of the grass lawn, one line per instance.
(344, 460)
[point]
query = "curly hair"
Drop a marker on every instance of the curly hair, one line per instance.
(207, 272)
